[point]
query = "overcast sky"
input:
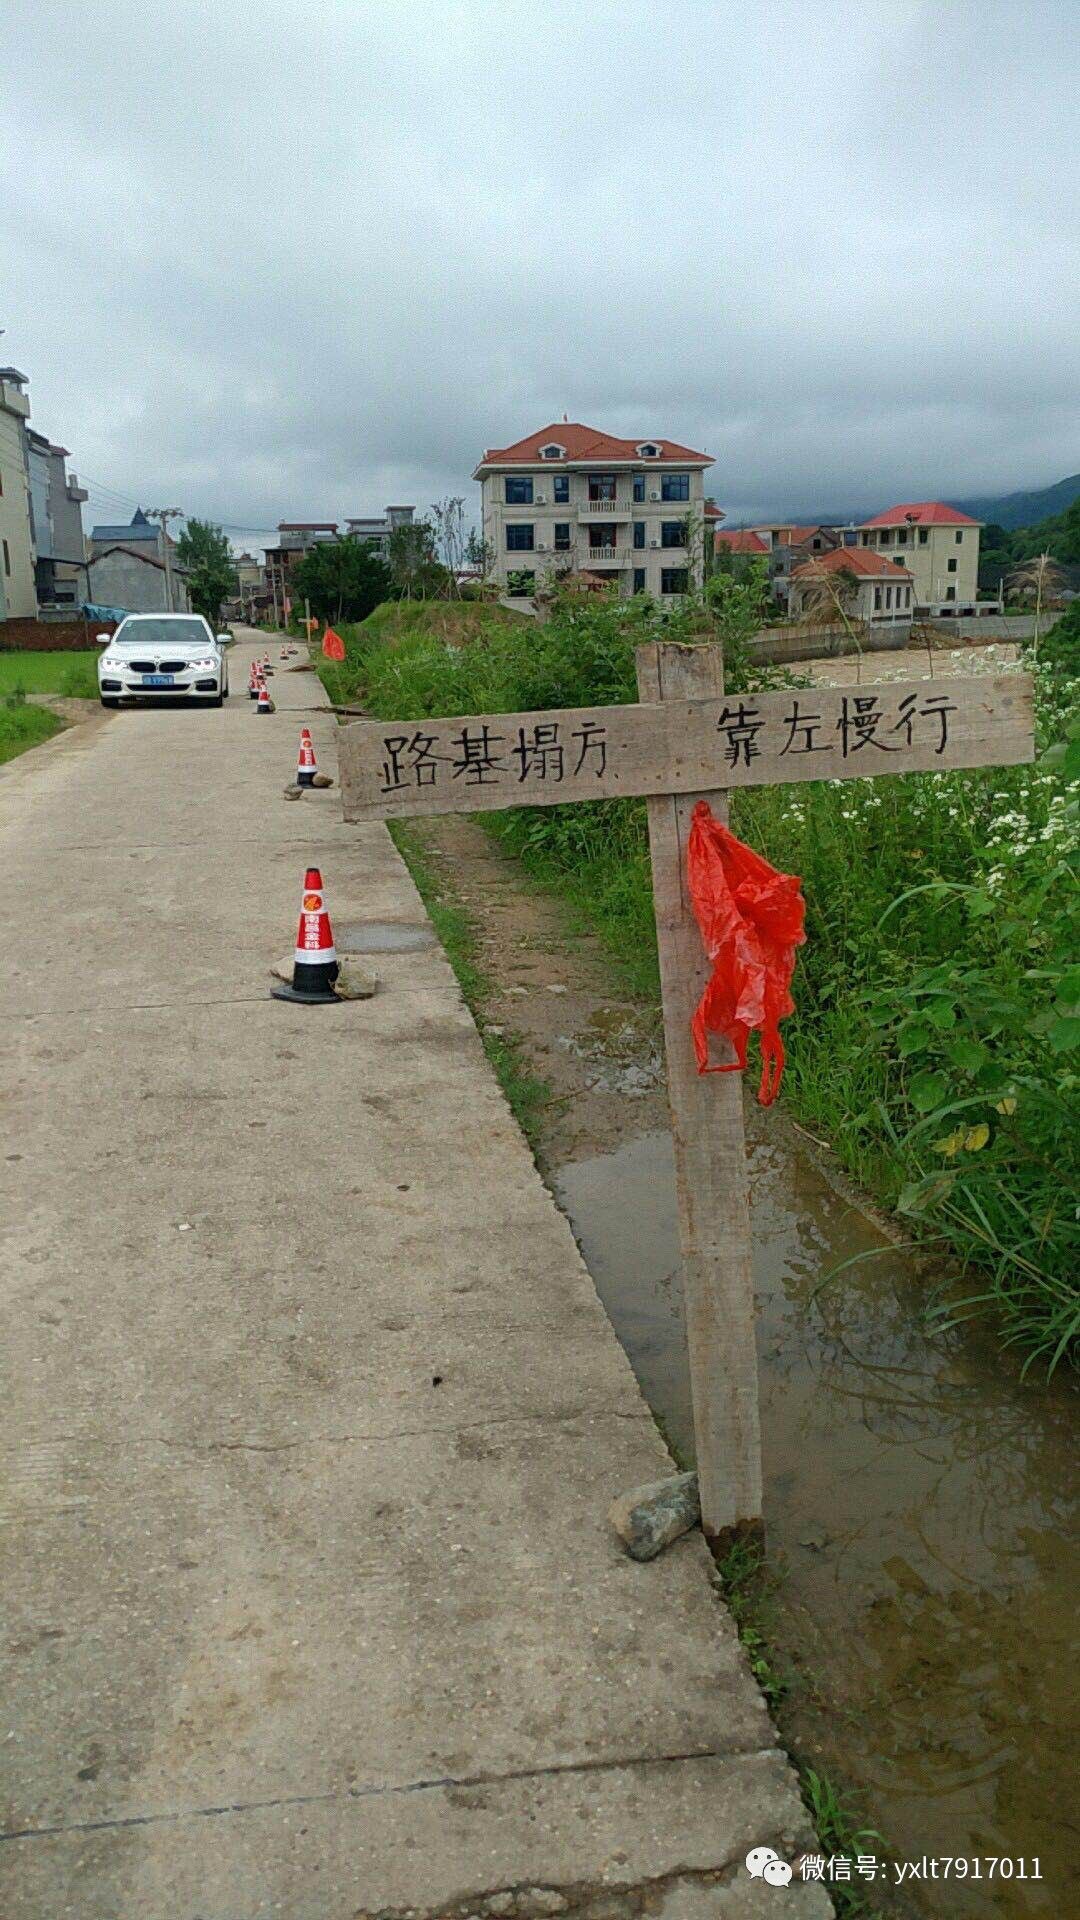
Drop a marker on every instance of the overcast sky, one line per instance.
(268, 261)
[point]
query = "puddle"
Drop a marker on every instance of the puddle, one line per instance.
(382, 936)
(918, 1500)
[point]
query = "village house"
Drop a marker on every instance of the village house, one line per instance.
(136, 581)
(377, 531)
(881, 591)
(939, 546)
(56, 524)
(18, 599)
(571, 499)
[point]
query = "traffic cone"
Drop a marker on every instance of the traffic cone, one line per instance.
(266, 667)
(265, 705)
(315, 966)
(253, 681)
(306, 768)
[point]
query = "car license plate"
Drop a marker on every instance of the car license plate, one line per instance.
(158, 680)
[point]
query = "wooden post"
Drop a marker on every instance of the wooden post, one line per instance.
(710, 1147)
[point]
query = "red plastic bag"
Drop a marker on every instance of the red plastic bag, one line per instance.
(751, 921)
(333, 645)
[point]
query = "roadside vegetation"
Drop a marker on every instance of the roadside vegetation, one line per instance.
(938, 995)
(73, 675)
(23, 726)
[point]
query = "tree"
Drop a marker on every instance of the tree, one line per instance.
(205, 551)
(480, 553)
(343, 579)
(414, 566)
(1041, 580)
(450, 537)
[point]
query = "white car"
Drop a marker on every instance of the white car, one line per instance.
(151, 654)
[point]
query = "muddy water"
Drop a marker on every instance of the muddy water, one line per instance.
(917, 1502)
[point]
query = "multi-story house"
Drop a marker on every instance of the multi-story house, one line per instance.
(18, 599)
(571, 499)
(872, 588)
(56, 518)
(377, 530)
(937, 544)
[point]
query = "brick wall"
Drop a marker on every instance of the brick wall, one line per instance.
(52, 636)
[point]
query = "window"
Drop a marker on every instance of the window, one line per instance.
(601, 486)
(866, 540)
(562, 536)
(649, 450)
(675, 486)
(907, 596)
(888, 598)
(519, 539)
(639, 533)
(923, 536)
(885, 538)
(950, 593)
(7, 559)
(672, 533)
(561, 489)
(952, 566)
(901, 538)
(552, 452)
(959, 535)
(639, 579)
(674, 579)
(519, 490)
(639, 487)
(877, 599)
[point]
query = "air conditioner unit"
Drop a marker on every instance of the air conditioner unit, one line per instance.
(654, 495)
(654, 543)
(541, 546)
(541, 499)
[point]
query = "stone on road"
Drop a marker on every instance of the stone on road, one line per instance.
(313, 1417)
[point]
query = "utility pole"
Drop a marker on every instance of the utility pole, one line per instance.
(165, 514)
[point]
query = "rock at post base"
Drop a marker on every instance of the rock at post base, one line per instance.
(322, 780)
(354, 981)
(649, 1518)
(294, 793)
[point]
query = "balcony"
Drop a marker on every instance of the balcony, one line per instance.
(607, 556)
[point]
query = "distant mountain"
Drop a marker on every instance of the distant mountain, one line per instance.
(1023, 509)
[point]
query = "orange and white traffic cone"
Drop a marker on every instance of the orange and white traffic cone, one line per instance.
(253, 681)
(266, 667)
(265, 705)
(306, 768)
(315, 966)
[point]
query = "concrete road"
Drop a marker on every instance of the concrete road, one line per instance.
(312, 1416)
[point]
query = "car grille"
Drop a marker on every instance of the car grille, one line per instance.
(159, 666)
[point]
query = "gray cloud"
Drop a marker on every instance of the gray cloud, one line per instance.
(275, 262)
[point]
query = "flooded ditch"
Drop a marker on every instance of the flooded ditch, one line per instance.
(918, 1492)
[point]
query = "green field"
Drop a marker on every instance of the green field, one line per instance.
(72, 674)
(22, 727)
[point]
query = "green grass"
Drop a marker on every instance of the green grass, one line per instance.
(74, 675)
(22, 727)
(525, 1093)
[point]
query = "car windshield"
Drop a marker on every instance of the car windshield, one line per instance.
(177, 632)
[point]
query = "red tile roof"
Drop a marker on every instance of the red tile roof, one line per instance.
(740, 540)
(858, 560)
(588, 443)
(713, 512)
(922, 513)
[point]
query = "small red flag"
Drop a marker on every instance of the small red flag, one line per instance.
(333, 645)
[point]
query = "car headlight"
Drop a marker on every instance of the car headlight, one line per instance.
(202, 666)
(110, 662)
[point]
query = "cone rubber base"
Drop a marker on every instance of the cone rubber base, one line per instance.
(306, 999)
(305, 778)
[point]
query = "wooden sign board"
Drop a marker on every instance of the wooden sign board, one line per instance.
(473, 762)
(688, 739)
